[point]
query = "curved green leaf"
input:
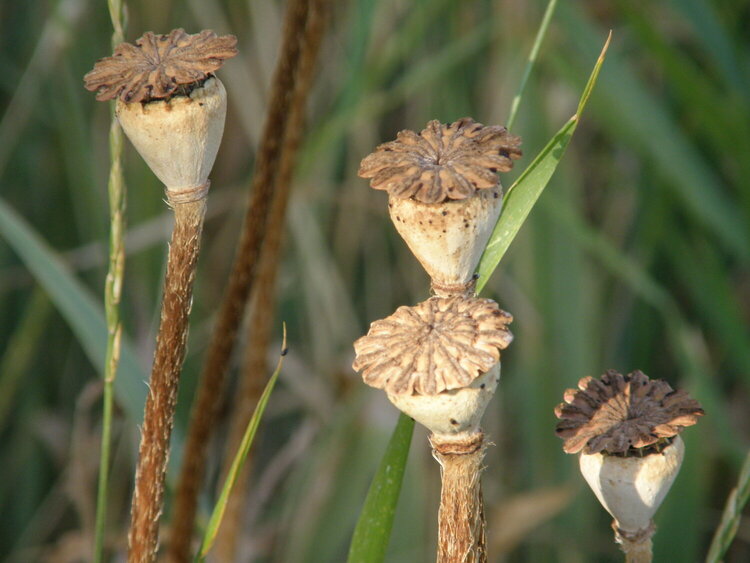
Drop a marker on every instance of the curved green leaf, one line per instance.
(373, 530)
(82, 312)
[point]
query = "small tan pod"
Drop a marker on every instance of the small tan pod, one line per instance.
(631, 489)
(453, 413)
(178, 138)
(448, 238)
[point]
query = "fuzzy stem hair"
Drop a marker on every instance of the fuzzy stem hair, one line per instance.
(637, 547)
(461, 522)
(143, 538)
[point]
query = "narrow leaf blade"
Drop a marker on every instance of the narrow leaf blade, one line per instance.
(77, 306)
(209, 536)
(524, 193)
(370, 540)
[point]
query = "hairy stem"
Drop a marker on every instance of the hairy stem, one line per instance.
(112, 296)
(211, 383)
(254, 364)
(637, 546)
(143, 538)
(461, 523)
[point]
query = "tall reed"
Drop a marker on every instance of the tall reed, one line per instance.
(244, 270)
(112, 294)
(252, 375)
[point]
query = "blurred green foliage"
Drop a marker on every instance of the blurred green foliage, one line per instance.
(636, 257)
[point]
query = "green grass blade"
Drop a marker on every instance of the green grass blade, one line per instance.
(82, 312)
(370, 540)
(531, 62)
(524, 193)
(212, 529)
(730, 519)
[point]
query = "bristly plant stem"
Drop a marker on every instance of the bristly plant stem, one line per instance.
(531, 62)
(112, 296)
(254, 364)
(211, 383)
(730, 519)
(143, 537)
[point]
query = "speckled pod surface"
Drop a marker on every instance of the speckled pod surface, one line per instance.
(178, 138)
(454, 412)
(632, 488)
(448, 238)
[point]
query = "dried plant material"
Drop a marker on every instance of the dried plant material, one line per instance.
(448, 238)
(159, 66)
(461, 523)
(439, 345)
(443, 162)
(618, 413)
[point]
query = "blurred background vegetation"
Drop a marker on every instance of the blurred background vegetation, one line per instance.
(636, 257)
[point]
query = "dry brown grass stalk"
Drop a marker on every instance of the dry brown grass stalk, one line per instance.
(461, 522)
(254, 366)
(171, 342)
(244, 271)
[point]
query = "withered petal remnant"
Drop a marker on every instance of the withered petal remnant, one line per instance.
(438, 345)
(443, 162)
(156, 66)
(617, 413)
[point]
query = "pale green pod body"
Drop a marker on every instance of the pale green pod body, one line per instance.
(451, 413)
(448, 238)
(631, 489)
(178, 138)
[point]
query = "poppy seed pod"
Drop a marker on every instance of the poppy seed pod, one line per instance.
(631, 489)
(178, 138)
(448, 238)
(626, 428)
(444, 194)
(169, 103)
(439, 362)
(458, 411)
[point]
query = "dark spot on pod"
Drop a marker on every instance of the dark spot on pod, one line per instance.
(200, 104)
(466, 225)
(430, 221)
(495, 194)
(493, 169)
(454, 421)
(443, 230)
(482, 386)
(390, 205)
(445, 213)
(398, 218)
(285, 351)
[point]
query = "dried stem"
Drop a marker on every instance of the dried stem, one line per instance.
(112, 295)
(244, 269)
(461, 523)
(637, 547)
(171, 342)
(254, 364)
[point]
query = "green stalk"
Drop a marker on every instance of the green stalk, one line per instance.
(541, 32)
(112, 296)
(730, 519)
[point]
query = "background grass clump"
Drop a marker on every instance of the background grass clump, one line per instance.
(636, 257)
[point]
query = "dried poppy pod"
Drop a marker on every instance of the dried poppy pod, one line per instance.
(444, 193)
(439, 362)
(627, 430)
(170, 105)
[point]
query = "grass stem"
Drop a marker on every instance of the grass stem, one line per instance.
(541, 32)
(112, 296)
